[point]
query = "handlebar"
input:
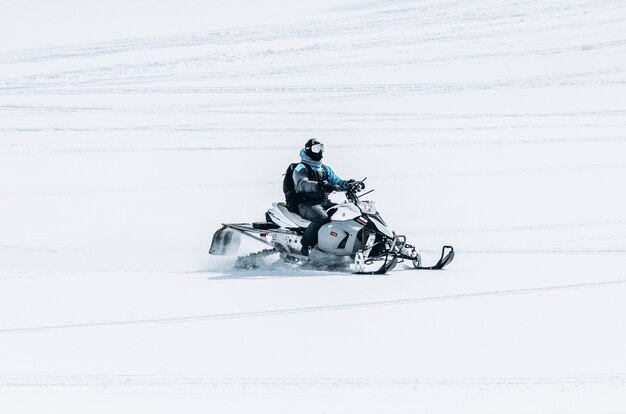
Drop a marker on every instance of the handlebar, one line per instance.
(353, 190)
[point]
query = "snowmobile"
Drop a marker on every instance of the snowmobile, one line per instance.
(356, 238)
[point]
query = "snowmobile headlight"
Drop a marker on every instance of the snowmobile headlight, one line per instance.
(367, 207)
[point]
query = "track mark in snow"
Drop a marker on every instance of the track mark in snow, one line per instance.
(522, 171)
(477, 21)
(544, 170)
(568, 79)
(322, 308)
(212, 128)
(418, 143)
(35, 276)
(136, 189)
(25, 249)
(189, 69)
(281, 381)
(550, 251)
(551, 226)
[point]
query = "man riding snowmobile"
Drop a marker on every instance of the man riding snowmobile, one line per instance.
(313, 181)
(310, 229)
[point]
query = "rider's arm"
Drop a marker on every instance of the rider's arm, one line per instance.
(302, 183)
(335, 180)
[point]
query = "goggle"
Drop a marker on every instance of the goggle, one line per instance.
(317, 148)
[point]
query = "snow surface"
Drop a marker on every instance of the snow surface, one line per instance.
(129, 130)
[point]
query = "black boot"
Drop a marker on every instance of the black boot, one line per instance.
(305, 250)
(309, 238)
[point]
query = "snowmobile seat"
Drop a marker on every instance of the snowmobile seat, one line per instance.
(295, 218)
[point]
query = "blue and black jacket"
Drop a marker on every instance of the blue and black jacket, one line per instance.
(308, 174)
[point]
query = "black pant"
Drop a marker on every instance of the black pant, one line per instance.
(318, 216)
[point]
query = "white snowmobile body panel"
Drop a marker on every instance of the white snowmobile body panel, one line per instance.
(381, 227)
(340, 237)
(345, 212)
(287, 242)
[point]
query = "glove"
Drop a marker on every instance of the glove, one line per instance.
(327, 187)
(356, 185)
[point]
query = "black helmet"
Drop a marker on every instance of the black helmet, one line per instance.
(314, 149)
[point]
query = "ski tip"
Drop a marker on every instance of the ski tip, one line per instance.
(447, 255)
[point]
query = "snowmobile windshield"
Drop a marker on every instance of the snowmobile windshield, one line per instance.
(367, 207)
(317, 148)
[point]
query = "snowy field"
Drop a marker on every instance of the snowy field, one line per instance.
(129, 130)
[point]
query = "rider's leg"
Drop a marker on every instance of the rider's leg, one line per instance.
(318, 217)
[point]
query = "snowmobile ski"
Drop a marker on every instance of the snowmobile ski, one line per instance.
(386, 267)
(447, 254)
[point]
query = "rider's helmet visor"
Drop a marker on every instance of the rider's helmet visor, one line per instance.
(317, 148)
